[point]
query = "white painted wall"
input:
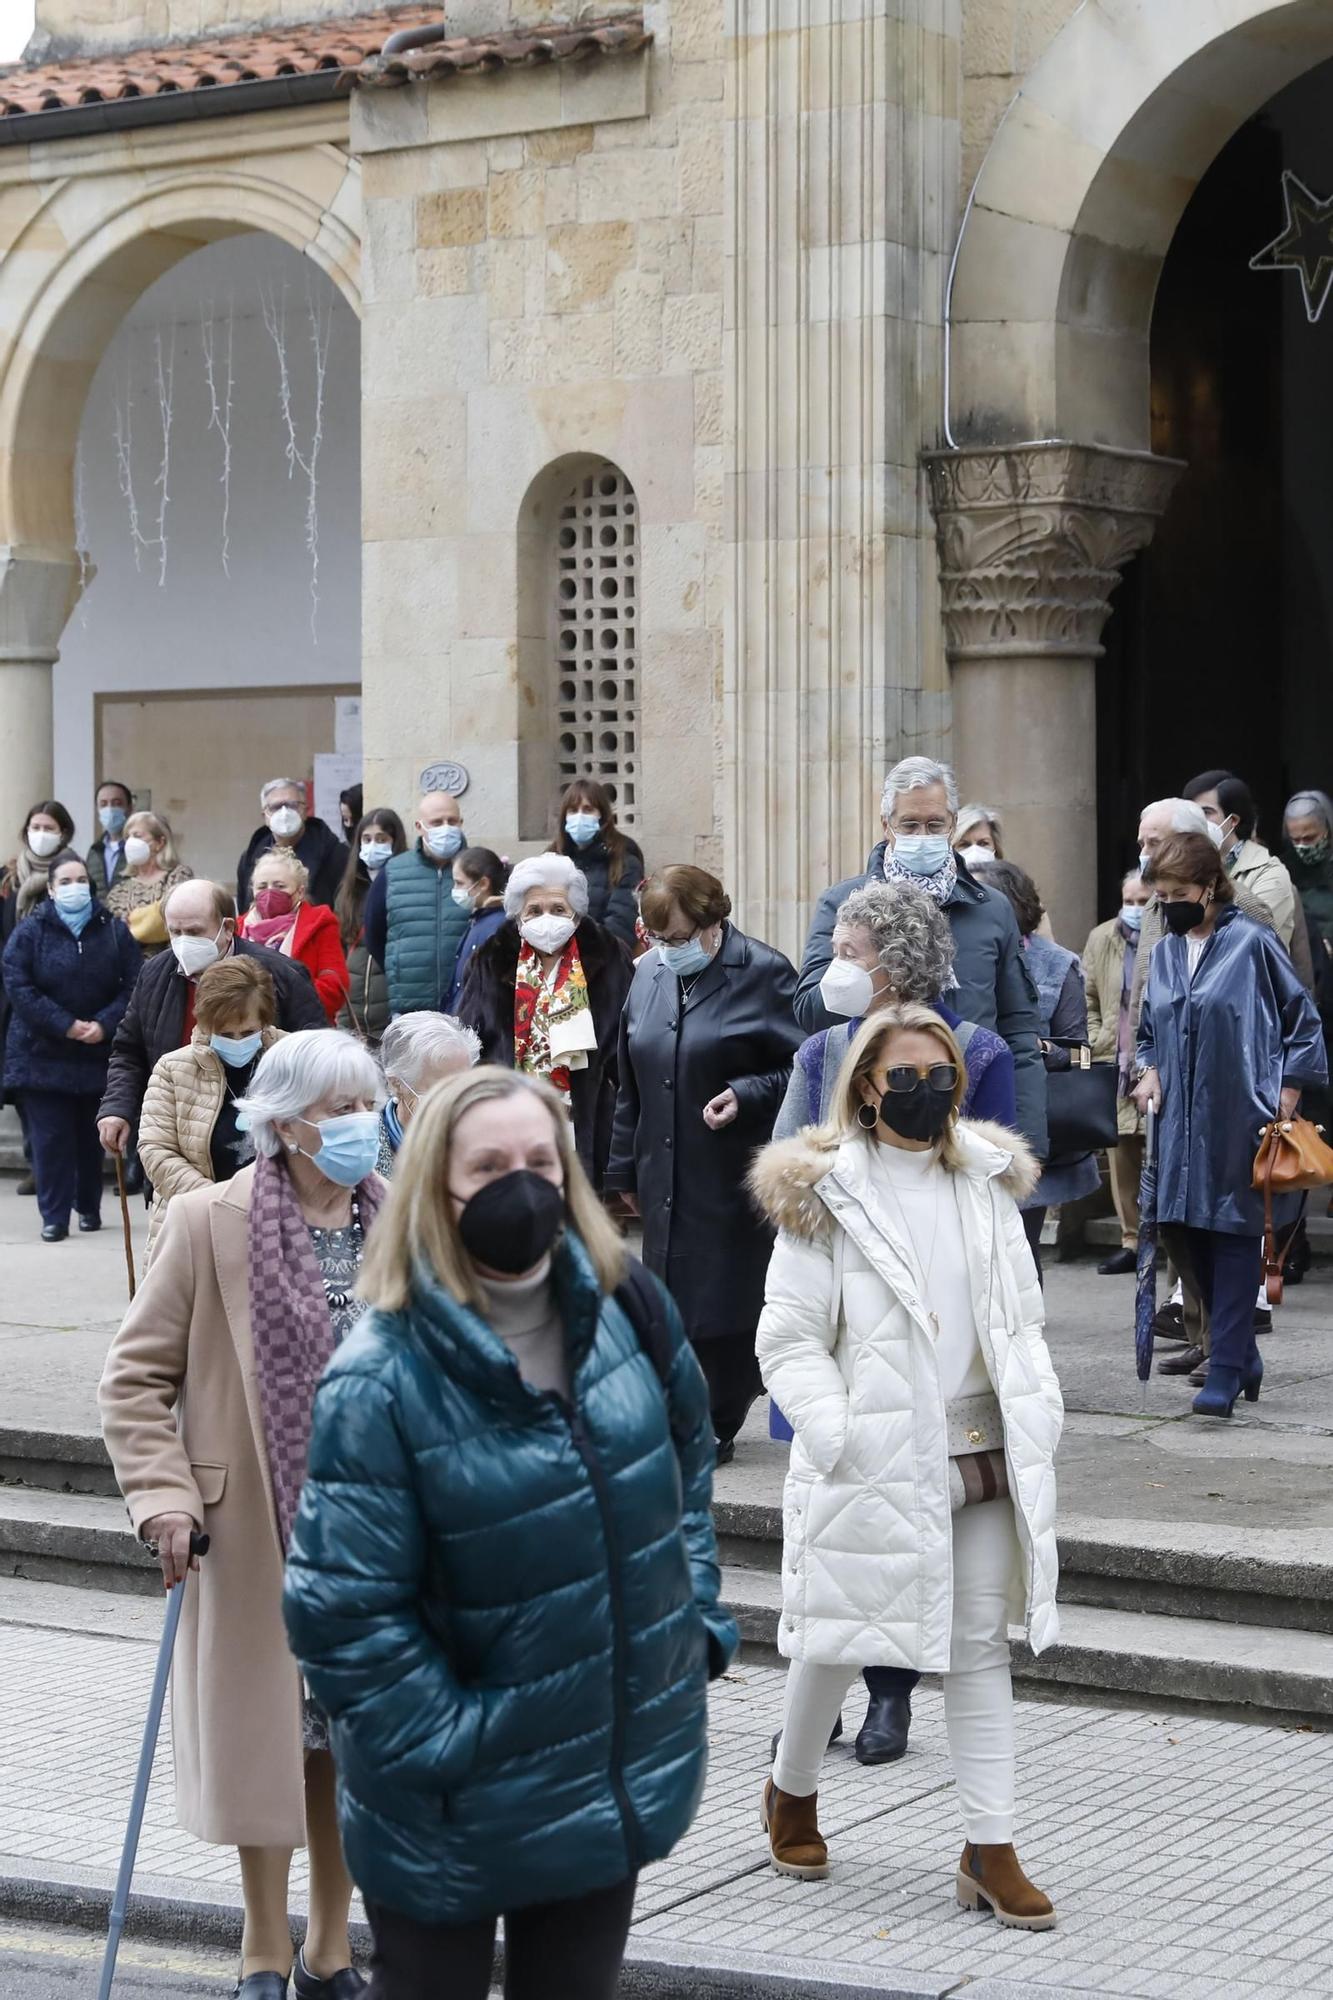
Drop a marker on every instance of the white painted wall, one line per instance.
(203, 629)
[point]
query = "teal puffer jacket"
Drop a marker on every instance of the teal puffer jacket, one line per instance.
(425, 927)
(508, 1605)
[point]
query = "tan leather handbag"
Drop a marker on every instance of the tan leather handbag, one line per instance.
(1292, 1156)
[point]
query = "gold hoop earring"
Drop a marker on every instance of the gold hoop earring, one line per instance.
(867, 1124)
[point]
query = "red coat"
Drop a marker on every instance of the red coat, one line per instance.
(317, 944)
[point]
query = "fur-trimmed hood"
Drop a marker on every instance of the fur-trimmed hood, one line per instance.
(785, 1177)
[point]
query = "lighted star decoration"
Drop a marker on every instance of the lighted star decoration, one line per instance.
(1305, 245)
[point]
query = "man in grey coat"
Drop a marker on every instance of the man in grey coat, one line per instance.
(919, 813)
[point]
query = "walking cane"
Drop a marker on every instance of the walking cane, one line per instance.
(125, 1220)
(119, 1902)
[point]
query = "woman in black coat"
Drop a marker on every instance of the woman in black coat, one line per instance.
(546, 993)
(69, 970)
(609, 861)
(706, 1050)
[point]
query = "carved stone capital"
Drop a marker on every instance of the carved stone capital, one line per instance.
(1032, 538)
(38, 590)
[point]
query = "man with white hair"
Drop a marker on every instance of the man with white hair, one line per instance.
(919, 814)
(283, 804)
(417, 1052)
(414, 923)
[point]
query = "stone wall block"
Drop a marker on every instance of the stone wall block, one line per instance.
(701, 170)
(708, 406)
(414, 467)
(672, 583)
(441, 340)
(583, 262)
(696, 30)
(562, 196)
(692, 332)
(387, 252)
(516, 205)
(617, 187)
(638, 323)
(698, 82)
(445, 273)
(557, 148)
(447, 220)
(707, 268)
(667, 245)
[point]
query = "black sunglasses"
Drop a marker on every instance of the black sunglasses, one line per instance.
(936, 1076)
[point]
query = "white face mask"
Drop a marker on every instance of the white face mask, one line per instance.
(846, 989)
(548, 934)
(137, 851)
(42, 841)
(284, 822)
(971, 855)
(375, 853)
(195, 954)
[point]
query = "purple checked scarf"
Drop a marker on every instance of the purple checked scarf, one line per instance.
(290, 1325)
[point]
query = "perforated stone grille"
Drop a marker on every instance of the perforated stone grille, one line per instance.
(597, 637)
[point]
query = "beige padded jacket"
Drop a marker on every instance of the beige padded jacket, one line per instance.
(180, 1109)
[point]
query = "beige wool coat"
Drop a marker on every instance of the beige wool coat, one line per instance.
(180, 1109)
(182, 1422)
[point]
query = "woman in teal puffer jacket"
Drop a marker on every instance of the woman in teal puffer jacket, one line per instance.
(503, 1585)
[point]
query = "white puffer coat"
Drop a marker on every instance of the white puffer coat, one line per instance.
(847, 1352)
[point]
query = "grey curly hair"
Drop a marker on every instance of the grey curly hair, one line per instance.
(911, 935)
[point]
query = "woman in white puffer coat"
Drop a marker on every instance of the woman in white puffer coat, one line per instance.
(902, 1336)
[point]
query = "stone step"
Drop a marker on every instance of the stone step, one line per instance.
(1233, 1577)
(82, 1539)
(1269, 1672)
(55, 1461)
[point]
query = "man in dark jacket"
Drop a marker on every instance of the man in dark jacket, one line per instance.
(282, 801)
(919, 812)
(201, 923)
(106, 856)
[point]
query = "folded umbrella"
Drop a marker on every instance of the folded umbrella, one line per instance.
(1145, 1297)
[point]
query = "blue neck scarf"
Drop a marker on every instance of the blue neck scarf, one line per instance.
(391, 1124)
(76, 921)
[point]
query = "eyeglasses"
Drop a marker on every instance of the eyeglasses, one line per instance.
(915, 826)
(936, 1076)
(655, 938)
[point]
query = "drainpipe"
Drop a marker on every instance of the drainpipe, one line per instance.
(413, 38)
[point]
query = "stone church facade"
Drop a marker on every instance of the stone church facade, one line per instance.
(752, 393)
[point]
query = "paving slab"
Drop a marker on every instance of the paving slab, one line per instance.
(1185, 1853)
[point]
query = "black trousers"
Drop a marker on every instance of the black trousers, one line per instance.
(884, 1681)
(572, 1948)
(734, 1382)
(66, 1153)
(1034, 1221)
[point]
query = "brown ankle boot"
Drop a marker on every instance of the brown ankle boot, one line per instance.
(992, 1878)
(794, 1840)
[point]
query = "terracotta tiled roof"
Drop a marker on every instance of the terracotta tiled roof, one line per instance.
(260, 56)
(509, 48)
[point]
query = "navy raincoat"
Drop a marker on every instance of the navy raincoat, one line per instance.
(507, 1604)
(1224, 1045)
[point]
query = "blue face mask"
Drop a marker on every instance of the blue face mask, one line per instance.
(463, 897)
(113, 820)
(74, 905)
(375, 853)
(236, 1050)
(582, 827)
(921, 853)
(442, 841)
(348, 1146)
(683, 959)
(1131, 916)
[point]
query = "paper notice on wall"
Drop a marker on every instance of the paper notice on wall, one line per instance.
(334, 772)
(347, 724)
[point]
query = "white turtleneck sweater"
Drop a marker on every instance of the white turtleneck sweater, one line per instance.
(920, 1201)
(522, 1312)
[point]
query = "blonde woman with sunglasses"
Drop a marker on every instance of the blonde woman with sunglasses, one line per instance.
(902, 1336)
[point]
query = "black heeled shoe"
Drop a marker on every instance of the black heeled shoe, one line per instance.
(882, 1737)
(344, 1985)
(261, 1986)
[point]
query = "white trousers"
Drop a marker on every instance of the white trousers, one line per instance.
(978, 1693)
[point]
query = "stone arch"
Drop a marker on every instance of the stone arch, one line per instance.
(1078, 200)
(59, 307)
(579, 551)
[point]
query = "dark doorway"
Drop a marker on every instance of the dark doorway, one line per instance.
(1218, 649)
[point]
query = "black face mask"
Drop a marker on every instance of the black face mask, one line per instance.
(1182, 916)
(918, 1113)
(510, 1224)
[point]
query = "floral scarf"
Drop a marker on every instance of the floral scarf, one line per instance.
(939, 887)
(537, 1002)
(290, 1324)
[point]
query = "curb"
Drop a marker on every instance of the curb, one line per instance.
(653, 1969)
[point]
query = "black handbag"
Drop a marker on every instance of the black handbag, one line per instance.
(1081, 1107)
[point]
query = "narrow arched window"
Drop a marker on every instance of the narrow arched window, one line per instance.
(596, 618)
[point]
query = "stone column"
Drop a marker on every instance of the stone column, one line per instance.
(37, 592)
(1032, 538)
(841, 203)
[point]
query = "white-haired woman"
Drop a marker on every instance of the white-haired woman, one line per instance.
(978, 833)
(503, 1583)
(418, 1051)
(206, 1405)
(902, 1334)
(545, 996)
(152, 870)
